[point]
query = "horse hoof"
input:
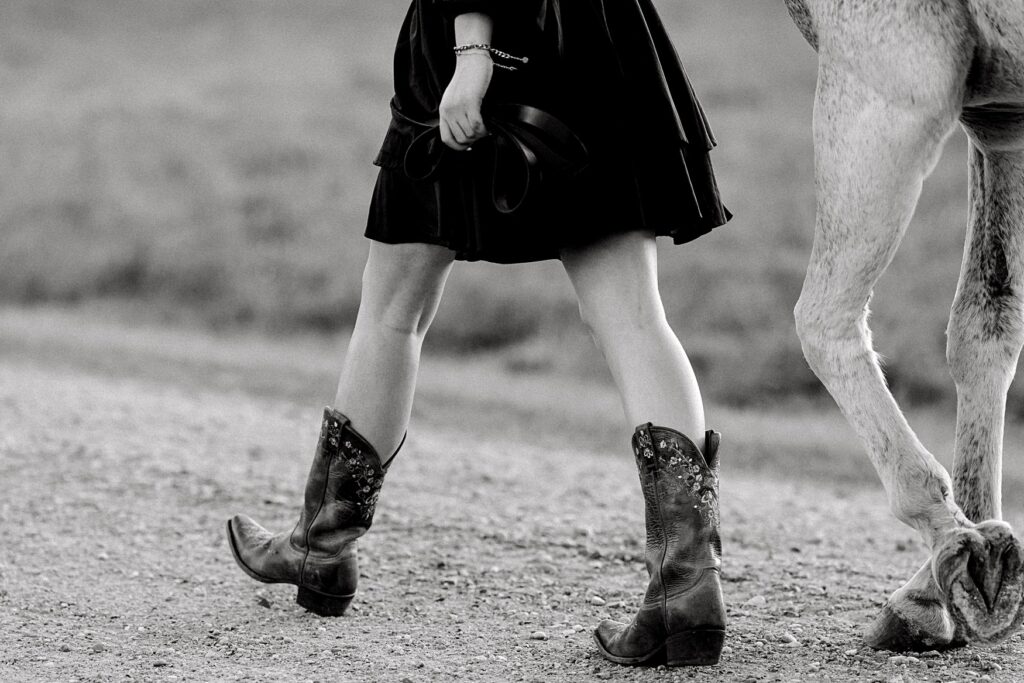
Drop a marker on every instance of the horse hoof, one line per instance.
(980, 571)
(912, 621)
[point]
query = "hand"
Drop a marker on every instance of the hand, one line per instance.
(462, 124)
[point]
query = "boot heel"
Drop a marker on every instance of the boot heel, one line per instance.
(694, 648)
(324, 605)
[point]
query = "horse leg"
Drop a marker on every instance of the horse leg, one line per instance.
(986, 328)
(984, 340)
(870, 160)
(873, 151)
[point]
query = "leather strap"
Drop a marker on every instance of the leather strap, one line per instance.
(528, 142)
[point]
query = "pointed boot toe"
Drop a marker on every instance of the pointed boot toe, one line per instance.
(243, 530)
(249, 541)
(639, 643)
(605, 633)
(612, 638)
(607, 629)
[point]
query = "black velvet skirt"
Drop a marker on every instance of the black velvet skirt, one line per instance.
(604, 68)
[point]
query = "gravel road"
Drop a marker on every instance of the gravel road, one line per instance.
(491, 559)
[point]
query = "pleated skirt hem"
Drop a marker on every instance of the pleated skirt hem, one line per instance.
(682, 205)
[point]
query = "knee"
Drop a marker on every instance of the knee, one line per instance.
(983, 339)
(401, 292)
(831, 334)
(811, 329)
(617, 287)
(611, 318)
(586, 319)
(592, 322)
(958, 347)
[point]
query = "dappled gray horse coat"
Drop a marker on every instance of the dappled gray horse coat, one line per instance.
(893, 80)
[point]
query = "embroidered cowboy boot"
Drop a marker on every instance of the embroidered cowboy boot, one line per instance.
(319, 554)
(682, 619)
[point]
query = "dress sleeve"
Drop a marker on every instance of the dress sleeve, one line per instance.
(453, 8)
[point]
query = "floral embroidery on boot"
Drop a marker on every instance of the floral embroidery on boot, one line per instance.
(363, 470)
(684, 465)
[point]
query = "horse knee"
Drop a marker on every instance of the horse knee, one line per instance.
(812, 328)
(808, 328)
(984, 342)
(831, 336)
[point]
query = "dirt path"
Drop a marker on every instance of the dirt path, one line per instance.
(113, 563)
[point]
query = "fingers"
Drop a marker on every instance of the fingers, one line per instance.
(475, 122)
(449, 139)
(459, 130)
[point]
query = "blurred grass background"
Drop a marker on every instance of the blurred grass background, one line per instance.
(209, 163)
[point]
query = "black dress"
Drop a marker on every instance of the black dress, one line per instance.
(607, 69)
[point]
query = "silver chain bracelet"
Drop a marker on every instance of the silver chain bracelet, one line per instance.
(460, 50)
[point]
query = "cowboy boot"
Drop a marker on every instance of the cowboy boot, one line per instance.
(682, 619)
(319, 554)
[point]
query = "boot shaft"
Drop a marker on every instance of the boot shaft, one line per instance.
(342, 488)
(680, 486)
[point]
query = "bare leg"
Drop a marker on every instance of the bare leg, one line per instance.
(402, 286)
(616, 282)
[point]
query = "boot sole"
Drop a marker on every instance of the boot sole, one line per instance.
(701, 647)
(319, 603)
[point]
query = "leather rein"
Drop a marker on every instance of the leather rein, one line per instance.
(528, 143)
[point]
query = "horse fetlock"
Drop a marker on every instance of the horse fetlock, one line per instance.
(920, 492)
